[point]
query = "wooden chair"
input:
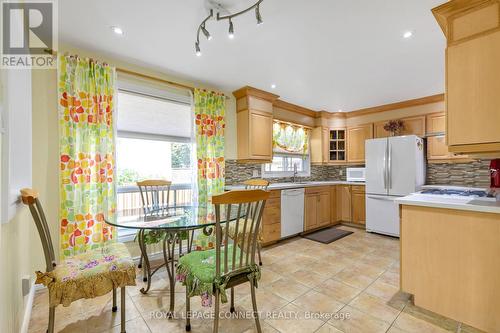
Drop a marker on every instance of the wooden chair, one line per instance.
(92, 274)
(155, 195)
(255, 184)
(232, 262)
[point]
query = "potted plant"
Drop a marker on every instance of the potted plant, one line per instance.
(395, 127)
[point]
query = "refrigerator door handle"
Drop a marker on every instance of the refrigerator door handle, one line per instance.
(389, 163)
(381, 198)
(385, 167)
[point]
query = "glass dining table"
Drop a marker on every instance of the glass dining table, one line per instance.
(176, 227)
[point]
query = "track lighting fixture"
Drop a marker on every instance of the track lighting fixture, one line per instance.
(257, 16)
(197, 48)
(205, 32)
(203, 29)
(231, 29)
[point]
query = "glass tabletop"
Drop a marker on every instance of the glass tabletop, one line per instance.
(178, 218)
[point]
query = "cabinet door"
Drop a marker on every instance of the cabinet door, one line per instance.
(324, 208)
(414, 125)
(358, 208)
(356, 137)
(272, 211)
(311, 211)
(437, 148)
(473, 85)
(261, 135)
(379, 131)
(344, 203)
(333, 205)
(436, 123)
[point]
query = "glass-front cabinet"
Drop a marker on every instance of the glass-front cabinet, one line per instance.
(337, 145)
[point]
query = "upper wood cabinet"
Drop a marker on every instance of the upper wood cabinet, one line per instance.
(412, 126)
(254, 124)
(356, 137)
(437, 149)
(472, 29)
(319, 145)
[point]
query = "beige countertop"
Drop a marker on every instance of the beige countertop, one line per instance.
(484, 205)
(284, 186)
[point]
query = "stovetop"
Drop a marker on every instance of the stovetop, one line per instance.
(456, 192)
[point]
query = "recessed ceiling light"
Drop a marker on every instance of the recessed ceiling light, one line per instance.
(273, 86)
(117, 30)
(408, 34)
(340, 110)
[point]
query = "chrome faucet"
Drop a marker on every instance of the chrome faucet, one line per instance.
(294, 172)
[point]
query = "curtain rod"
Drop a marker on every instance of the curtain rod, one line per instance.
(145, 76)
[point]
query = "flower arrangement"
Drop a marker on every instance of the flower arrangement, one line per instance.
(394, 126)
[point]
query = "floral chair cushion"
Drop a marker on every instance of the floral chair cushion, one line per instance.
(196, 270)
(88, 275)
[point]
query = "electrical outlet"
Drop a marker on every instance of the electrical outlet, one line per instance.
(26, 285)
(341, 172)
(255, 173)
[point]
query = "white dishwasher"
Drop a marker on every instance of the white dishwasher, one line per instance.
(292, 212)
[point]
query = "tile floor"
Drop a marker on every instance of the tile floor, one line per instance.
(351, 285)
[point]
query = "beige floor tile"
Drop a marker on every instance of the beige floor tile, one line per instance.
(266, 328)
(469, 329)
(294, 320)
(354, 278)
(316, 302)
(375, 307)
(411, 324)
(390, 278)
(431, 317)
(368, 269)
(137, 325)
(394, 329)
(382, 290)
(287, 288)
(268, 276)
(326, 268)
(327, 328)
(338, 290)
(266, 300)
(100, 318)
(358, 322)
(308, 277)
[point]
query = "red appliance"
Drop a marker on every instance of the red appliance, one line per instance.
(495, 173)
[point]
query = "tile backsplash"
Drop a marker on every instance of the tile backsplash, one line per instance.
(239, 172)
(473, 174)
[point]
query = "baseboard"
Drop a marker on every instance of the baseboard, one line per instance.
(27, 309)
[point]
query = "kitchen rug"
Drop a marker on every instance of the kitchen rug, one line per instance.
(326, 236)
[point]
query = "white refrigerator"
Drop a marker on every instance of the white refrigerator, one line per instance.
(395, 167)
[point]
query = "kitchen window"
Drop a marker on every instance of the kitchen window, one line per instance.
(290, 152)
(154, 141)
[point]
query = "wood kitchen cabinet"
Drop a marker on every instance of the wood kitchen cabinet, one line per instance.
(437, 149)
(254, 124)
(271, 218)
(328, 145)
(472, 29)
(412, 126)
(358, 205)
(344, 202)
(319, 145)
(317, 211)
(356, 137)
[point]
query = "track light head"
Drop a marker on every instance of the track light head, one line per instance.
(258, 16)
(197, 48)
(231, 29)
(205, 32)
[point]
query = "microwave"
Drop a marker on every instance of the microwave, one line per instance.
(355, 174)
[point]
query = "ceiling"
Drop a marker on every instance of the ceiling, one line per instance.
(321, 54)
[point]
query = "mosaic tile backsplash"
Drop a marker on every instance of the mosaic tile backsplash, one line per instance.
(474, 174)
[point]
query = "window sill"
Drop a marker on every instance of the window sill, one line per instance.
(285, 174)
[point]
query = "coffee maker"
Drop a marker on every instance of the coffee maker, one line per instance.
(495, 174)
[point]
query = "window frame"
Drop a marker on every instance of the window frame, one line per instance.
(306, 165)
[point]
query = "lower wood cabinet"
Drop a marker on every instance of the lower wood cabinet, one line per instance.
(344, 203)
(317, 210)
(271, 218)
(358, 205)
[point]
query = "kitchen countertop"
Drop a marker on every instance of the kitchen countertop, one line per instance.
(284, 186)
(484, 205)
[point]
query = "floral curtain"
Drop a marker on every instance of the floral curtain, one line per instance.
(210, 122)
(87, 147)
(290, 139)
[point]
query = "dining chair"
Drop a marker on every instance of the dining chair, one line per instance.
(88, 275)
(155, 198)
(254, 184)
(232, 261)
